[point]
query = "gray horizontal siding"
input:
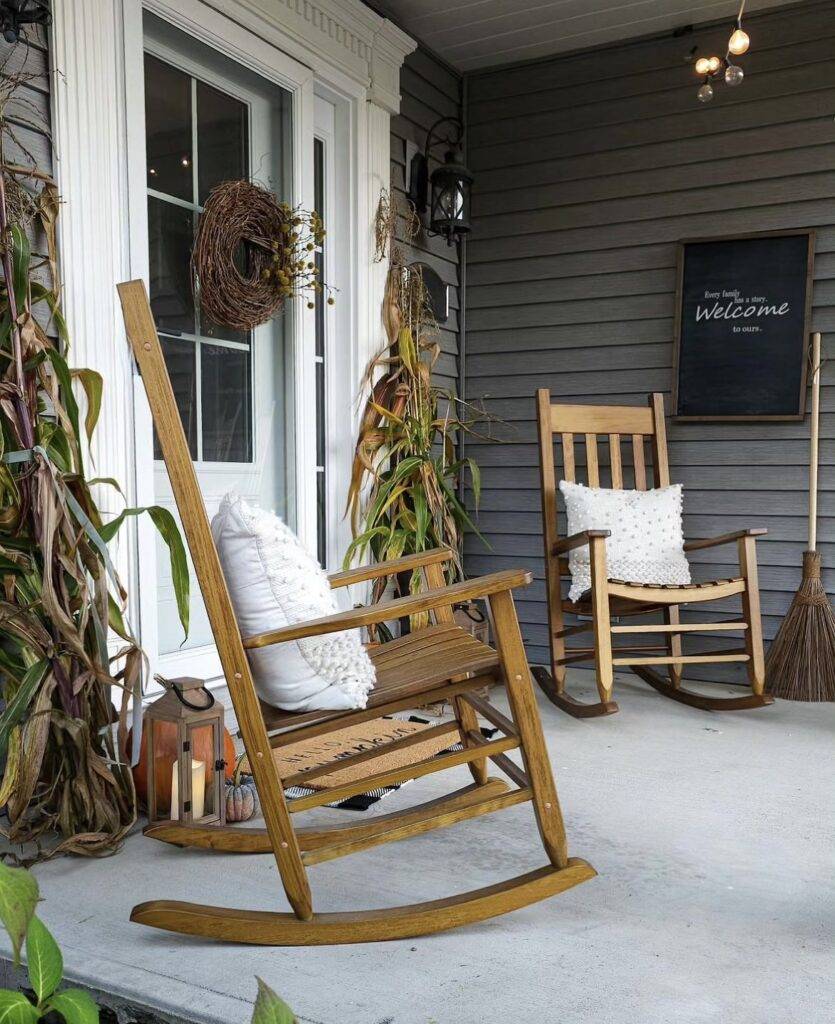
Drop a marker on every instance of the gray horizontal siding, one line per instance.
(429, 90)
(589, 168)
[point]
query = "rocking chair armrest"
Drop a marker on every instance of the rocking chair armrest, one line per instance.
(467, 590)
(390, 568)
(577, 540)
(725, 538)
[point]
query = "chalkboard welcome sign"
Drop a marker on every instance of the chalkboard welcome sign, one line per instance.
(742, 324)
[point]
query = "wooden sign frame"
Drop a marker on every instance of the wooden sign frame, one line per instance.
(807, 318)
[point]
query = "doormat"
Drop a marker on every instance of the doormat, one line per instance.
(307, 754)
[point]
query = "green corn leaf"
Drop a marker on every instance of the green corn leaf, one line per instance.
(166, 524)
(475, 477)
(421, 508)
(16, 705)
(18, 899)
(93, 385)
(21, 253)
(43, 959)
(271, 1008)
(41, 294)
(76, 1006)
(15, 1008)
(62, 372)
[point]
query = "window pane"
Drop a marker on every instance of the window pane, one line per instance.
(170, 237)
(222, 139)
(225, 380)
(168, 129)
(180, 361)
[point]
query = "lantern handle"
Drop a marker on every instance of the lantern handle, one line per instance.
(181, 697)
(187, 703)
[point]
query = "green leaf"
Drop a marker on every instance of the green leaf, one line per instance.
(44, 960)
(271, 1008)
(21, 253)
(16, 706)
(62, 372)
(18, 898)
(170, 533)
(15, 1008)
(93, 385)
(76, 1006)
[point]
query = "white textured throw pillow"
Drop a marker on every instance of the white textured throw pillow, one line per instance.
(647, 541)
(275, 582)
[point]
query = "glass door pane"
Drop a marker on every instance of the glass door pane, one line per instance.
(209, 120)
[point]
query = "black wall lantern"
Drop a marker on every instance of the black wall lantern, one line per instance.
(447, 189)
(14, 14)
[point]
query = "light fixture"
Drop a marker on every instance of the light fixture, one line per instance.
(14, 14)
(447, 190)
(739, 42)
(711, 67)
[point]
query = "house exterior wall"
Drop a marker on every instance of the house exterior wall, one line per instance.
(428, 90)
(588, 169)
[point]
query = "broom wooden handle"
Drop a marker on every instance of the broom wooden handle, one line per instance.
(813, 455)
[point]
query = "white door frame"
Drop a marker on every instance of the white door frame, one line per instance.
(216, 30)
(340, 47)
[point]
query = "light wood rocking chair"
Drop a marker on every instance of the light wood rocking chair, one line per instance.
(440, 662)
(619, 598)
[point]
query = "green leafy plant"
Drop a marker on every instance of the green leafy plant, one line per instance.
(271, 1008)
(19, 897)
(62, 741)
(45, 964)
(403, 494)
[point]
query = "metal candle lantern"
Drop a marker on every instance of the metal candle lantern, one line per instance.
(451, 183)
(197, 772)
(449, 210)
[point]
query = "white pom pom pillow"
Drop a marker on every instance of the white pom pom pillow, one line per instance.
(647, 541)
(274, 582)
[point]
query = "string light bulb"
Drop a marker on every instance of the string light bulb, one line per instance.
(739, 42)
(703, 66)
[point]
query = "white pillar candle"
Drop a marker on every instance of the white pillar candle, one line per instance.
(198, 790)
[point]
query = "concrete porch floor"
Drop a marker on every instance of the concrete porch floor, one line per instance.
(712, 834)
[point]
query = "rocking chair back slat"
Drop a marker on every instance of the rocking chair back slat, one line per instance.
(615, 461)
(569, 472)
(638, 462)
(142, 335)
(591, 460)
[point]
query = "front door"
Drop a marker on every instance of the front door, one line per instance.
(208, 120)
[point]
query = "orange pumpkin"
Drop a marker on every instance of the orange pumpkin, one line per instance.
(165, 742)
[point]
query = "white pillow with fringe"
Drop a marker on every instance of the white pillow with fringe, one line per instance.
(275, 582)
(647, 541)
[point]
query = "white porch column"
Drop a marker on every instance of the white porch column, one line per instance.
(389, 48)
(88, 91)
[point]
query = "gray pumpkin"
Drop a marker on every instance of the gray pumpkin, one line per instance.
(241, 796)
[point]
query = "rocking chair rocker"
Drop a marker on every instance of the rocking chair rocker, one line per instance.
(612, 597)
(433, 664)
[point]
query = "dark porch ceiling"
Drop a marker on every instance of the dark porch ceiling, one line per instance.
(472, 34)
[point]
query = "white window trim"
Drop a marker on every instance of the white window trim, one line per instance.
(350, 53)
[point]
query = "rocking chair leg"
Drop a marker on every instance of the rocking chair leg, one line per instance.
(466, 716)
(672, 617)
(602, 620)
(751, 613)
(526, 717)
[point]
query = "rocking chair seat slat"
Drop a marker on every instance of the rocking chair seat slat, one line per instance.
(410, 664)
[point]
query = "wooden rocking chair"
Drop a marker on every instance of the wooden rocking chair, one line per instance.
(620, 598)
(440, 662)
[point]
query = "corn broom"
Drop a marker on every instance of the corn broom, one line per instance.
(801, 661)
